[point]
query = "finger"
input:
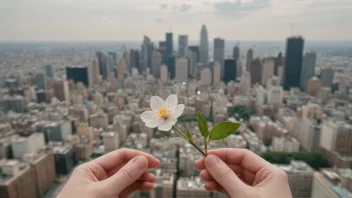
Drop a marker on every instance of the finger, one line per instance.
(127, 175)
(120, 157)
(214, 186)
(223, 175)
(136, 186)
(148, 177)
(246, 176)
(243, 157)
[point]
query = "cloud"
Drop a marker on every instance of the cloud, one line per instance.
(185, 7)
(240, 6)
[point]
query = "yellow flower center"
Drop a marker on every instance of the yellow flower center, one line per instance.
(163, 113)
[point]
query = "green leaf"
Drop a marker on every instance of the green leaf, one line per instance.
(223, 130)
(172, 141)
(189, 133)
(202, 125)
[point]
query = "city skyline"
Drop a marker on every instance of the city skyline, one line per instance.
(111, 20)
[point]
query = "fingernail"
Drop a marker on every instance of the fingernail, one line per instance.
(140, 162)
(211, 161)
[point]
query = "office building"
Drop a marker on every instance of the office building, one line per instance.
(121, 69)
(285, 144)
(279, 62)
(236, 52)
(217, 74)
(13, 103)
(308, 69)
(330, 183)
(182, 45)
(164, 74)
(95, 71)
(245, 83)
(204, 45)
(300, 178)
(40, 81)
(191, 188)
(324, 94)
(249, 59)
(336, 136)
(111, 63)
(313, 86)
(17, 183)
(268, 70)
(275, 95)
(171, 66)
(308, 134)
(169, 44)
(111, 141)
(50, 71)
(31, 144)
(64, 159)
(61, 90)
(99, 120)
(54, 131)
(78, 74)
(181, 70)
(256, 71)
(326, 76)
(293, 64)
(229, 70)
(195, 49)
(156, 63)
(146, 54)
(205, 77)
(193, 55)
(103, 65)
(219, 53)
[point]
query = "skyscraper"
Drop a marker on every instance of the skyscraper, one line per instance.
(103, 67)
(61, 90)
(219, 53)
(121, 68)
(78, 74)
(95, 71)
(293, 66)
(147, 51)
(195, 49)
(171, 62)
(163, 51)
(135, 61)
(40, 81)
(245, 83)
(156, 63)
(169, 44)
(205, 77)
(229, 70)
(326, 76)
(236, 52)
(217, 73)
(279, 61)
(256, 71)
(313, 86)
(50, 71)
(308, 69)
(204, 45)
(182, 45)
(181, 70)
(268, 69)
(163, 74)
(249, 59)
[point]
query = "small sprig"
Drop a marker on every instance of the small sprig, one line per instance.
(164, 115)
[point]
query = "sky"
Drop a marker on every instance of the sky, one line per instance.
(129, 20)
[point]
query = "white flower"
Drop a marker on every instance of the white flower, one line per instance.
(164, 114)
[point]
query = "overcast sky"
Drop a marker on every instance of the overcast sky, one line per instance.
(131, 19)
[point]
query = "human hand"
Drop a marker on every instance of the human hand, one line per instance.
(116, 174)
(239, 173)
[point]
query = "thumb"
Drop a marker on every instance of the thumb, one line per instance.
(126, 175)
(224, 175)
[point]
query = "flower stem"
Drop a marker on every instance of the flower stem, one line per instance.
(205, 146)
(190, 141)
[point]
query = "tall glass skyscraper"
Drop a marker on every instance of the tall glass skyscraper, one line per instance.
(204, 45)
(229, 70)
(308, 69)
(169, 44)
(182, 45)
(293, 66)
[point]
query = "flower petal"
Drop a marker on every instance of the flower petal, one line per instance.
(165, 126)
(171, 102)
(148, 116)
(179, 110)
(156, 103)
(153, 123)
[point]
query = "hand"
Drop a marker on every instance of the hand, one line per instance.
(116, 174)
(239, 173)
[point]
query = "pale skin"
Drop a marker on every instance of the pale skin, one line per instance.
(114, 175)
(239, 173)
